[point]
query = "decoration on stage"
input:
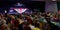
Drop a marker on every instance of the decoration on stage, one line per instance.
(15, 10)
(19, 9)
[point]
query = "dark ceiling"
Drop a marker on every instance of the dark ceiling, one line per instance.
(29, 4)
(10, 2)
(29, 0)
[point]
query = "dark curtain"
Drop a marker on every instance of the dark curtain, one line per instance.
(40, 6)
(58, 5)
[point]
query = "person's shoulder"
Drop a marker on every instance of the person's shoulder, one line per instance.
(36, 28)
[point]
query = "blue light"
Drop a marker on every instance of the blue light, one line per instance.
(18, 4)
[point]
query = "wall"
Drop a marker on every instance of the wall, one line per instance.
(51, 7)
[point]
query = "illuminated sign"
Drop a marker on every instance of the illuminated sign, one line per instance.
(20, 10)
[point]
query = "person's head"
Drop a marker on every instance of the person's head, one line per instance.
(26, 23)
(0, 16)
(35, 21)
(59, 12)
(3, 18)
(2, 22)
(55, 16)
(12, 16)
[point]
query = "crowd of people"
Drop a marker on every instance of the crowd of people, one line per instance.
(34, 21)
